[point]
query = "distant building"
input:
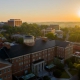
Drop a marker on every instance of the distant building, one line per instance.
(2, 24)
(76, 47)
(16, 36)
(59, 33)
(14, 22)
(56, 27)
(48, 30)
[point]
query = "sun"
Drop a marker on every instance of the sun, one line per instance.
(78, 13)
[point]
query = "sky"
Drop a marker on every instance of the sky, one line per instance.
(40, 10)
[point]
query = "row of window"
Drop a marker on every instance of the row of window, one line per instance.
(25, 62)
(5, 71)
(28, 56)
(37, 54)
(20, 58)
(5, 77)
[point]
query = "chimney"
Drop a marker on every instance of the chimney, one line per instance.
(44, 39)
(7, 45)
(29, 40)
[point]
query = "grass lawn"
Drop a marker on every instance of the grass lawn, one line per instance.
(64, 75)
(73, 72)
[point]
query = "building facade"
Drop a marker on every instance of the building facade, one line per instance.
(24, 58)
(48, 30)
(14, 22)
(5, 70)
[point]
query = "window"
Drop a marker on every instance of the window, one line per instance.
(8, 69)
(5, 77)
(9, 75)
(16, 60)
(33, 59)
(48, 53)
(21, 63)
(39, 57)
(36, 54)
(4, 70)
(26, 66)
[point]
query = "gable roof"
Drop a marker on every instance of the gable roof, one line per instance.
(18, 50)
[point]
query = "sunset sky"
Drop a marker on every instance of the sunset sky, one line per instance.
(40, 10)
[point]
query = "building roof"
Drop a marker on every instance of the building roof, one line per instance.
(21, 49)
(3, 55)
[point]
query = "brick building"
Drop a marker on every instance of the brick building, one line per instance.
(24, 58)
(5, 70)
(76, 47)
(14, 22)
(48, 30)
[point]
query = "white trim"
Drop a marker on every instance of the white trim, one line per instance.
(17, 57)
(5, 67)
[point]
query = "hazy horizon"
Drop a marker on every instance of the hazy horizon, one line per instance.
(40, 10)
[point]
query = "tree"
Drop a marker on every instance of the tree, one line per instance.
(1, 35)
(57, 73)
(58, 64)
(50, 35)
(20, 40)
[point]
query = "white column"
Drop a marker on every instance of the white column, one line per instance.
(40, 67)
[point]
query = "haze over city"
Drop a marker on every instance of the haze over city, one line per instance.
(40, 10)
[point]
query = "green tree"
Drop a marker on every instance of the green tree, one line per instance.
(57, 73)
(1, 35)
(50, 35)
(20, 40)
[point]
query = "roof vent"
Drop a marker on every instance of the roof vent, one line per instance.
(7, 45)
(44, 38)
(29, 40)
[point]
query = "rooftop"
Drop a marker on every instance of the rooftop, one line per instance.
(21, 49)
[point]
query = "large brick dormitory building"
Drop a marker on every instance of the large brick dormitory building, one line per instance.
(21, 58)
